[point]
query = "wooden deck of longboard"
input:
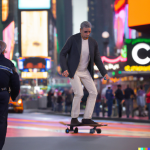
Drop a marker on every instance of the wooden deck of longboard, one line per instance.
(92, 125)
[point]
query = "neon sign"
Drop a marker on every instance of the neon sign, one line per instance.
(128, 41)
(111, 66)
(113, 61)
(137, 68)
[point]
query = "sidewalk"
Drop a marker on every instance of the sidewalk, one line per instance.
(124, 119)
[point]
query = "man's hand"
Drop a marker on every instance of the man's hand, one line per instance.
(106, 77)
(65, 73)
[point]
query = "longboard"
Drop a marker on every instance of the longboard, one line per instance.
(76, 129)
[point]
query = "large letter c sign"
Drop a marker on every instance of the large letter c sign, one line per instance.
(135, 54)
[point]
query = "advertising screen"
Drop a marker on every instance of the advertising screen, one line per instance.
(8, 38)
(34, 33)
(138, 55)
(34, 62)
(121, 28)
(34, 4)
(119, 4)
(34, 75)
(139, 12)
(5, 9)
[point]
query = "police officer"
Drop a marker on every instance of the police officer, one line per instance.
(8, 79)
(109, 96)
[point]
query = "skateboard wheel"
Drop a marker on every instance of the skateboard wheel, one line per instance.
(67, 130)
(92, 131)
(98, 131)
(76, 130)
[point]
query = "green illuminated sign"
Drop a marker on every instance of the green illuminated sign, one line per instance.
(119, 72)
(124, 51)
(113, 73)
(134, 41)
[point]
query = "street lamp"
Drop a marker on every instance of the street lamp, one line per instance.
(105, 36)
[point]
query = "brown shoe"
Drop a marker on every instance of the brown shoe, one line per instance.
(74, 121)
(88, 121)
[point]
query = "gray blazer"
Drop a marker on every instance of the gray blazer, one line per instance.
(70, 56)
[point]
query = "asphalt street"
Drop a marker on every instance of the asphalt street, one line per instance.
(40, 131)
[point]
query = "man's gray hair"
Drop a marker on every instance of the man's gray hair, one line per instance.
(2, 46)
(85, 24)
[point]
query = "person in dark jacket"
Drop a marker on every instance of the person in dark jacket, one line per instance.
(128, 92)
(49, 98)
(148, 102)
(97, 104)
(59, 101)
(77, 59)
(68, 100)
(9, 79)
(109, 96)
(119, 97)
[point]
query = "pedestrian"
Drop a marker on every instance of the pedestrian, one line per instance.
(54, 101)
(9, 79)
(128, 94)
(97, 104)
(49, 98)
(68, 101)
(119, 97)
(59, 101)
(77, 59)
(141, 101)
(148, 102)
(109, 96)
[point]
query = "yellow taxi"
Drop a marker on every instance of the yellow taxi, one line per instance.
(16, 106)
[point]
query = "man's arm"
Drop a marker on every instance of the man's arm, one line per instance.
(98, 62)
(63, 54)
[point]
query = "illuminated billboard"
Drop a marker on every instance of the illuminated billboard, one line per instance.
(34, 33)
(34, 4)
(121, 29)
(5, 9)
(119, 4)
(34, 75)
(34, 62)
(8, 38)
(138, 54)
(139, 13)
(54, 8)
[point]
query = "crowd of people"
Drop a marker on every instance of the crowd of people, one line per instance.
(61, 101)
(56, 99)
(126, 97)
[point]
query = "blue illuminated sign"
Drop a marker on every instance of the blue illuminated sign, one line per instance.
(34, 4)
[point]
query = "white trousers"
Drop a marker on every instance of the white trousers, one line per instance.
(88, 82)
